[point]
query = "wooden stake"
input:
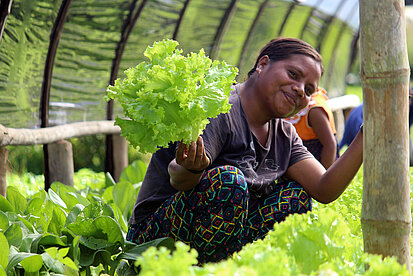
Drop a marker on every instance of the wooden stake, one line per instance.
(4, 154)
(61, 162)
(120, 155)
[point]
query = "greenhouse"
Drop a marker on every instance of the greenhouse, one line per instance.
(70, 176)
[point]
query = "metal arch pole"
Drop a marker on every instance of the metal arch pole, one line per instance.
(309, 17)
(326, 26)
(329, 67)
(287, 15)
(225, 20)
(181, 16)
(5, 9)
(126, 31)
(257, 17)
(47, 79)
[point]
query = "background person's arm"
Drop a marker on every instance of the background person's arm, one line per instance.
(319, 121)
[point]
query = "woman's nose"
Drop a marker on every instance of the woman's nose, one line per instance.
(299, 89)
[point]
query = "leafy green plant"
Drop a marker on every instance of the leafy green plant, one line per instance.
(171, 97)
(81, 231)
(71, 230)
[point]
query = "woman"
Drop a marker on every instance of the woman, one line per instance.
(249, 169)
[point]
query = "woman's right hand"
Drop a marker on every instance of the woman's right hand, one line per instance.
(192, 157)
(186, 169)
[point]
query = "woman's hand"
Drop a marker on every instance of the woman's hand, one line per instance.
(192, 158)
(186, 169)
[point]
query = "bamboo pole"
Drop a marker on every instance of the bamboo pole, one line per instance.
(386, 215)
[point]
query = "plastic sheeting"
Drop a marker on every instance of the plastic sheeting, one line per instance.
(102, 38)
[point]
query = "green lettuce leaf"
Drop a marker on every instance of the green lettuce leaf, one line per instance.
(171, 97)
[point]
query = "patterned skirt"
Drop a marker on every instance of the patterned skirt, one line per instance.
(214, 217)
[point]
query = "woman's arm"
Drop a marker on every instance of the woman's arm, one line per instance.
(319, 121)
(186, 169)
(326, 186)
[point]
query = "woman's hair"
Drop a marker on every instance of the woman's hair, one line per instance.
(282, 48)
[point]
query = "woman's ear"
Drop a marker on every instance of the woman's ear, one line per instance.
(262, 62)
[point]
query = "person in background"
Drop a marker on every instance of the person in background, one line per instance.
(248, 169)
(355, 120)
(352, 126)
(315, 126)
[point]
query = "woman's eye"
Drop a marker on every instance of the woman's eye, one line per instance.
(292, 74)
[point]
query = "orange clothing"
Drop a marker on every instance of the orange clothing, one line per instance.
(300, 121)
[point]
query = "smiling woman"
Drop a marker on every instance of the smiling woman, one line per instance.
(249, 168)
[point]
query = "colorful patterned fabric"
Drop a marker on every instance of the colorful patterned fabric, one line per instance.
(214, 217)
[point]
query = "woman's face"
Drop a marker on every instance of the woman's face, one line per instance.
(285, 86)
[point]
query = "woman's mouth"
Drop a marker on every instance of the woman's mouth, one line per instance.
(290, 99)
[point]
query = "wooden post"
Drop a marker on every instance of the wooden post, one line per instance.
(386, 215)
(120, 155)
(4, 154)
(61, 162)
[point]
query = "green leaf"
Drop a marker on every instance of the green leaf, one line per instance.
(124, 196)
(94, 243)
(49, 240)
(34, 207)
(134, 173)
(17, 257)
(14, 234)
(55, 198)
(4, 252)
(16, 200)
(111, 228)
(4, 221)
(75, 250)
(52, 263)
(32, 263)
(134, 250)
(107, 195)
(76, 210)
(27, 223)
(94, 257)
(84, 224)
(119, 217)
(28, 241)
(58, 220)
(63, 192)
(124, 269)
(69, 262)
(109, 181)
(5, 205)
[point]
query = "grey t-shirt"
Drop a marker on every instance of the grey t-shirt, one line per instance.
(228, 141)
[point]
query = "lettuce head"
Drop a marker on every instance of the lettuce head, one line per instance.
(170, 97)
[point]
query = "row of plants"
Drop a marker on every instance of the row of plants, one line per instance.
(81, 230)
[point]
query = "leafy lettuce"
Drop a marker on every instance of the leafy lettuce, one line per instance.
(171, 97)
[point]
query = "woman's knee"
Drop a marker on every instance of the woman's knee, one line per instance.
(225, 184)
(227, 176)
